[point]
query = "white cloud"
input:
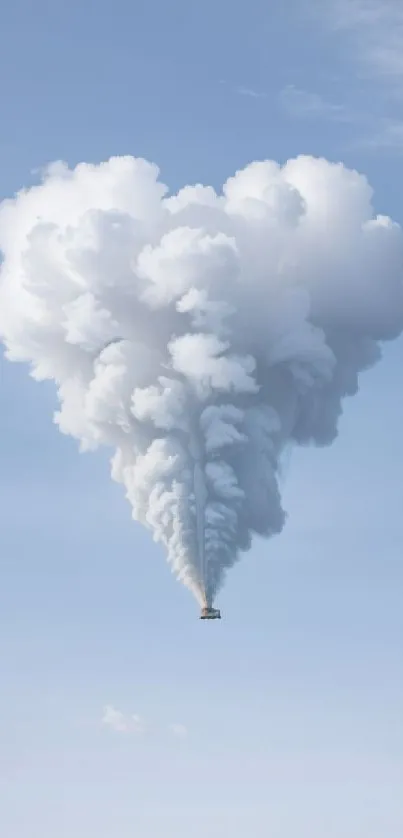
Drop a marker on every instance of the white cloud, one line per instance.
(306, 104)
(331, 293)
(179, 730)
(122, 723)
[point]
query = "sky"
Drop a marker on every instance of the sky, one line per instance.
(121, 714)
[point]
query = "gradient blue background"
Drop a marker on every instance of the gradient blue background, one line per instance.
(293, 703)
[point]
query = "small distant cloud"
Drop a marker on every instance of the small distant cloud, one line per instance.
(122, 723)
(306, 104)
(132, 724)
(243, 90)
(179, 730)
(249, 91)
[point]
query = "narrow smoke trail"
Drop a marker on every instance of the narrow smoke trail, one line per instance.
(199, 334)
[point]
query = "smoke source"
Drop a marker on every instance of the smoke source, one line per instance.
(199, 334)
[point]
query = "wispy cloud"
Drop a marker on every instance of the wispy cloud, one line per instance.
(306, 104)
(179, 730)
(249, 91)
(243, 90)
(372, 133)
(122, 723)
(386, 135)
(376, 31)
(372, 31)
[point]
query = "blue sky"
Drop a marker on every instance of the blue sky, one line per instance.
(292, 704)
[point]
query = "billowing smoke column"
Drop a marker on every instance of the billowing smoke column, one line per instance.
(198, 334)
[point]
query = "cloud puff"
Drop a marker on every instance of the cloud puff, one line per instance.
(122, 723)
(200, 335)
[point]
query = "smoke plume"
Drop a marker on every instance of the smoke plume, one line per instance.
(198, 334)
